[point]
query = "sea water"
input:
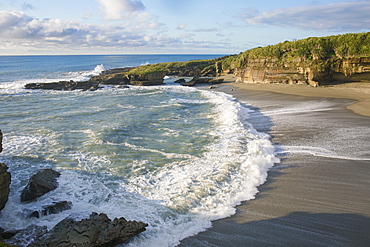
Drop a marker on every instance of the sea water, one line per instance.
(174, 157)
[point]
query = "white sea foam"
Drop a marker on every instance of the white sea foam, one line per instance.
(315, 151)
(208, 188)
(16, 87)
(178, 200)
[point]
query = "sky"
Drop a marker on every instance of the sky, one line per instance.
(47, 27)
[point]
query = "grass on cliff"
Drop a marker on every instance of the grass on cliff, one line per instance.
(176, 66)
(147, 69)
(315, 48)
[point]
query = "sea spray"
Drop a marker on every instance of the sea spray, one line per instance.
(174, 157)
(171, 156)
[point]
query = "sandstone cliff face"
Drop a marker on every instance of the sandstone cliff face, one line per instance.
(314, 73)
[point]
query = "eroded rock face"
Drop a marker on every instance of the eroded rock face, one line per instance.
(26, 236)
(147, 79)
(53, 208)
(97, 230)
(64, 85)
(314, 73)
(39, 184)
(113, 78)
(5, 179)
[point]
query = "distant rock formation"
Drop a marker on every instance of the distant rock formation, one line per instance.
(97, 230)
(300, 71)
(110, 77)
(39, 184)
(201, 80)
(314, 61)
(64, 85)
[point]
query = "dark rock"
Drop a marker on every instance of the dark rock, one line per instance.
(147, 79)
(1, 141)
(201, 80)
(216, 81)
(5, 179)
(39, 184)
(9, 234)
(123, 87)
(63, 85)
(54, 208)
(27, 236)
(97, 230)
(110, 79)
(182, 80)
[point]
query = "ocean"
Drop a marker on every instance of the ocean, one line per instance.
(174, 157)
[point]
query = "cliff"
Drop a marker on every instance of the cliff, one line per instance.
(312, 61)
(313, 73)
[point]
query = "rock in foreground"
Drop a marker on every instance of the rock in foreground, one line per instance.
(5, 178)
(1, 141)
(39, 184)
(97, 230)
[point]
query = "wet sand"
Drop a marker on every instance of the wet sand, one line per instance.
(319, 194)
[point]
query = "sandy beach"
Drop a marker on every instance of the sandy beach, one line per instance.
(318, 195)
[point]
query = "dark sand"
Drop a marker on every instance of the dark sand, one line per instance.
(319, 194)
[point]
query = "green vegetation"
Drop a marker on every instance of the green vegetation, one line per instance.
(201, 65)
(147, 69)
(316, 48)
(2, 244)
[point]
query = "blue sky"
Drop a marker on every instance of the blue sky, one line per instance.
(170, 26)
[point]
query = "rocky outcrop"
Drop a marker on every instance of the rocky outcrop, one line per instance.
(119, 78)
(147, 79)
(5, 179)
(201, 80)
(64, 85)
(53, 208)
(299, 71)
(110, 77)
(24, 237)
(39, 184)
(97, 230)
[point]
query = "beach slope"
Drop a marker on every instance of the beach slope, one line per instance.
(318, 195)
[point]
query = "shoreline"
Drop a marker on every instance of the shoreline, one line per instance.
(317, 194)
(359, 92)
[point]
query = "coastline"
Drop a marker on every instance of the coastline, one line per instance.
(317, 194)
(358, 92)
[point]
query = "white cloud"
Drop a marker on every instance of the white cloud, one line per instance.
(23, 34)
(206, 30)
(181, 26)
(345, 16)
(113, 9)
(20, 33)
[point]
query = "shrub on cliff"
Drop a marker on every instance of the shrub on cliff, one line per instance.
(314, 48)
